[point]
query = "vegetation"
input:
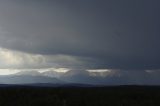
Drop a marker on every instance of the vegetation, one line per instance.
(74, 96)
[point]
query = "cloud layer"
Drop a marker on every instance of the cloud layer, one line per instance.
(10, 59)
(120, 34)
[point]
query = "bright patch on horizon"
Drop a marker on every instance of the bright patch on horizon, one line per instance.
(42, 70)
(99, 70)
(8, 71)
(60, 70)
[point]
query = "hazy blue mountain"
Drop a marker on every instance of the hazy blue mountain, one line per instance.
(51, 77)
(53, 74)
(27, 79)
(29, 73)
(119, 78)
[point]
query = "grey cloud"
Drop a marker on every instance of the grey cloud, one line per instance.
(10, 59)
(115, 34)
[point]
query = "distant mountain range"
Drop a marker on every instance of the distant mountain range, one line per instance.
(73, 77)
(27, 79)
(32, 77)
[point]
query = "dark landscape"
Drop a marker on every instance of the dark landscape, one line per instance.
(28, 95)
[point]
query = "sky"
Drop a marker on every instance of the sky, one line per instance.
(80, 35)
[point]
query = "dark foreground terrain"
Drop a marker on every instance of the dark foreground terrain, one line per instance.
(80, 96)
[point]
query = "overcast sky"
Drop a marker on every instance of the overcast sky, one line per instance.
(80, 34)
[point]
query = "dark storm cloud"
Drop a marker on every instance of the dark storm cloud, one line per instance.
(122, 34)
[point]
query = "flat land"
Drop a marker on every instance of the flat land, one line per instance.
(80, 96)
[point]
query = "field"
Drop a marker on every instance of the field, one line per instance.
(80, 96)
